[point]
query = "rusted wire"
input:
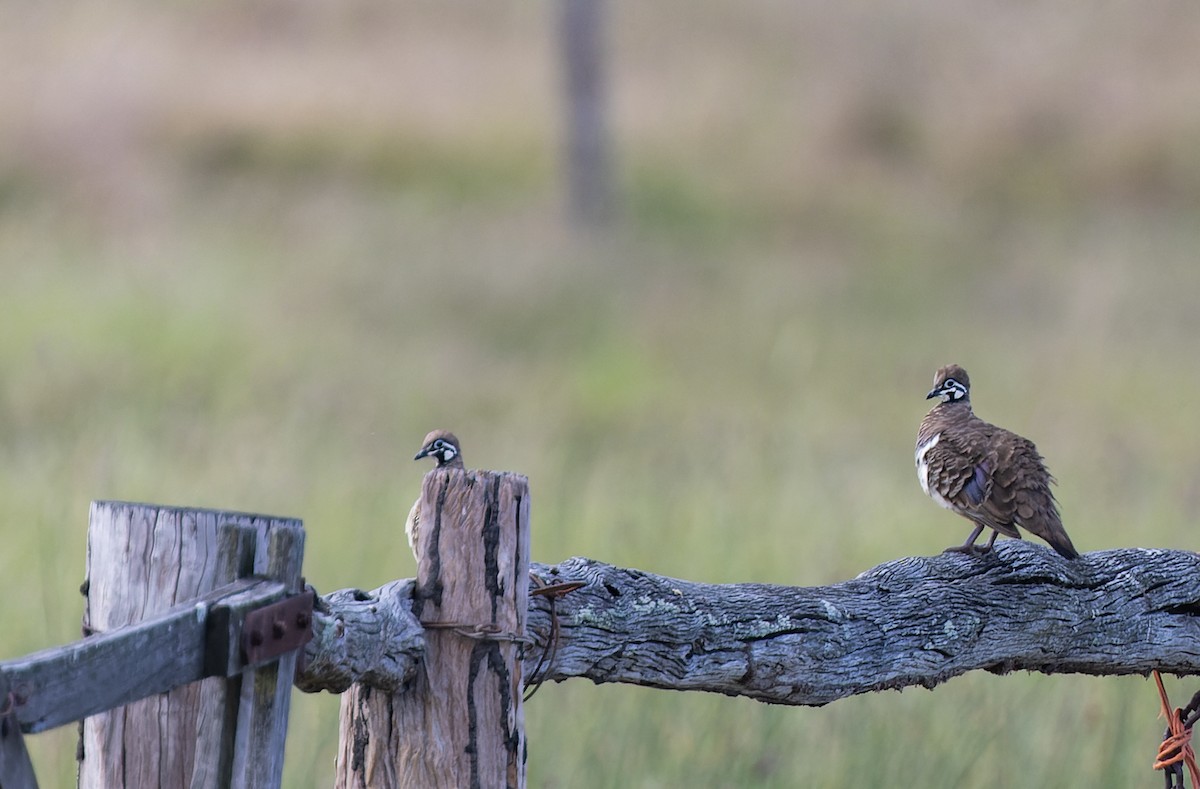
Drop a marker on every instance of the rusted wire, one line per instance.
(489, 632)
(551, 592)
(492, 632)
(1176, 749)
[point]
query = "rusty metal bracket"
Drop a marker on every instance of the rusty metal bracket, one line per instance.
(278, 628)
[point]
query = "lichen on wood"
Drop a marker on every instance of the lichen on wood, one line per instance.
(916, 621)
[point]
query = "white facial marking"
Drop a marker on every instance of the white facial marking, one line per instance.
(952, 390)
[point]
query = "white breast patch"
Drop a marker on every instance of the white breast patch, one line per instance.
(923, 471)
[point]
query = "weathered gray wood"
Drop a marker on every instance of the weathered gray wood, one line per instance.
(368, 637)
(914, 621)
(142, 560)
(917, 621)
(216, 718)
(266, 690)
(70, 682)
(460, 721)
(16, 770)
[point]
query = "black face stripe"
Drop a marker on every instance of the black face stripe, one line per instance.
(444, 450)
(953, 389)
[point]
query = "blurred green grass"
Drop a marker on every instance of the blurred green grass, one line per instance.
(253, 252)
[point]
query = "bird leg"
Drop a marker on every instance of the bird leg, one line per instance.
(969, 546)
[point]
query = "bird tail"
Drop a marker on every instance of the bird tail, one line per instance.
(1060, 542)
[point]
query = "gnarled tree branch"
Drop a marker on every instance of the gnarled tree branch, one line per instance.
(914, 621)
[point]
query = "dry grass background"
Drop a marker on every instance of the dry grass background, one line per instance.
(252, 252)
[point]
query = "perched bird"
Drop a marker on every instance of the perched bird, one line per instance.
(443, 446)
(990, 476)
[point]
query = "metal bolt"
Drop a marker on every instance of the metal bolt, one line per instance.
(256, 638)
(278, 627)
(303, 620)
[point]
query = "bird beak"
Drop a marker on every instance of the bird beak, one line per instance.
(423, 453)
(934, 392)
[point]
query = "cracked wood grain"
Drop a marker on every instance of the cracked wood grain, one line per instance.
(916, 621)
(450, 714)
(143, 560)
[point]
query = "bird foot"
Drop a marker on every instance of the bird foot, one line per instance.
(970, 549)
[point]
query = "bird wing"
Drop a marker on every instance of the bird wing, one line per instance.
(1021, 491)
(412, 525)
(964, 474)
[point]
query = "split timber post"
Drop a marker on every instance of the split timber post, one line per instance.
(459, 723)
(142, 560)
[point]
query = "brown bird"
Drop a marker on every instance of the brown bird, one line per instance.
(990, 476)
(443, 446)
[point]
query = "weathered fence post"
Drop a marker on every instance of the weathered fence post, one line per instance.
(143, 559)
(266, 691)
(460, 722)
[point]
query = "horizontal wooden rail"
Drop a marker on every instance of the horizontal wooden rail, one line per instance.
(914, 621)
(189, 642)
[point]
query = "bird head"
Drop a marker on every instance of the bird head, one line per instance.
(952, 384)
(442, 446)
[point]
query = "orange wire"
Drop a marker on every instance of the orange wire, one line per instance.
(1178, 746)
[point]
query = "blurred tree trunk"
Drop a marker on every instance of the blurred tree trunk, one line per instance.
(588, 157)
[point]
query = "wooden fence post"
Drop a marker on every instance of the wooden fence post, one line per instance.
(460, 722)
(217, 710)
(142, 560)
(266, 691)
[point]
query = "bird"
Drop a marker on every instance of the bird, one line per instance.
(444, 447)
(991, 476)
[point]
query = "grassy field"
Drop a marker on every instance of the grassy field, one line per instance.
(251, 253)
